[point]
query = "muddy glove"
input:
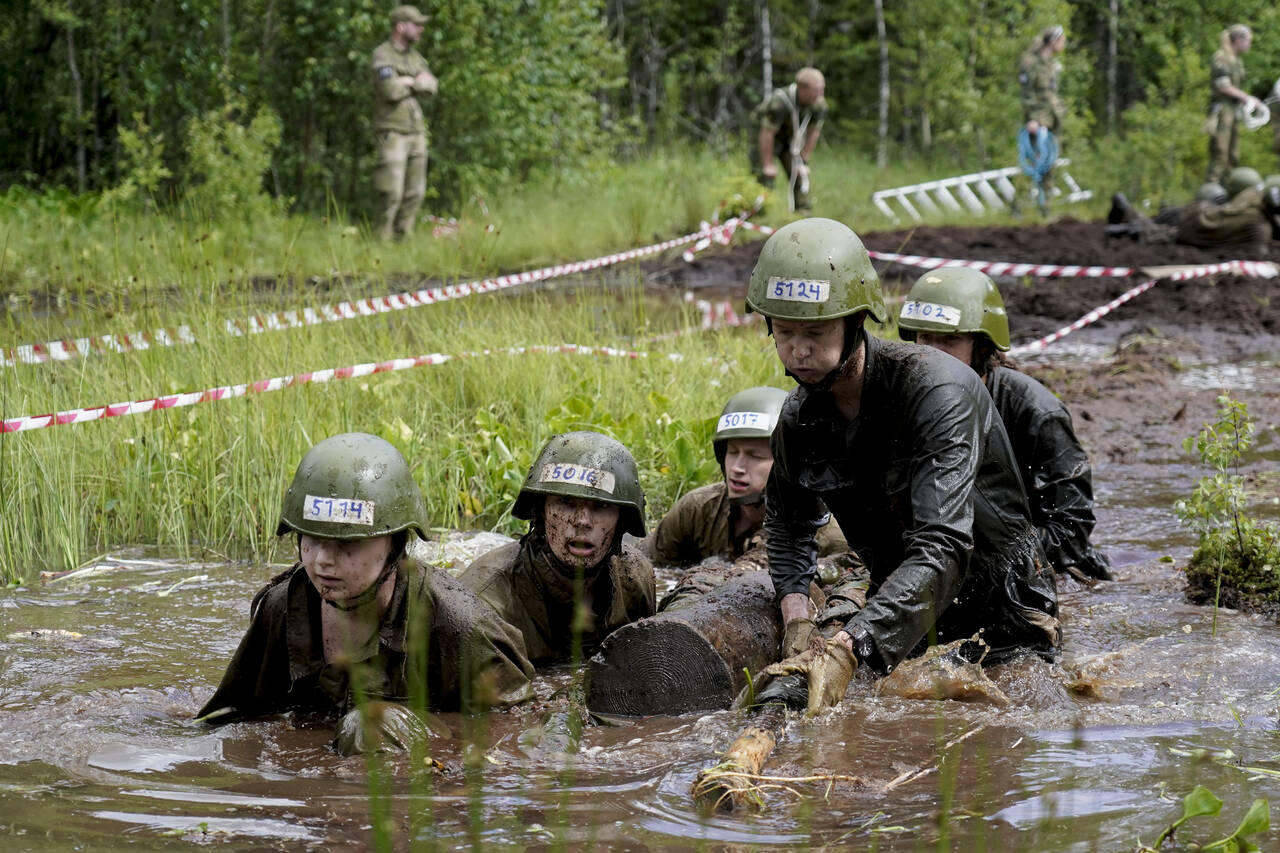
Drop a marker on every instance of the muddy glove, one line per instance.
(829, 674)
(801, 634)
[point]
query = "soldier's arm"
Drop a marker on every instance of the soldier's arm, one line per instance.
(810, 141)
(388, 85)
(765, 144)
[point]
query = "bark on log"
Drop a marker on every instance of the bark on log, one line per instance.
(691, 658)
(722, 788)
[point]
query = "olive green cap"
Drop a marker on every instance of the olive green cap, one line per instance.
(1241, 178)
(815, 269)
(353, 486)
(752, 413)
(1212, 191)
(955, 300)
(586, 465)
(407, 13)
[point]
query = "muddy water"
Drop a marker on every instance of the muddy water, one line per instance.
(102, 672)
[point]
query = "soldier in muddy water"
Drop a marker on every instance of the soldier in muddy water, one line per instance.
(570, 581)
(357, 626)
(400, 76)
(905, 446)
(960, 312)
(788, 123)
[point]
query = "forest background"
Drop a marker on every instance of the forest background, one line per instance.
(152, 100)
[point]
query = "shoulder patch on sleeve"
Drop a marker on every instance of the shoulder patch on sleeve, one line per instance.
(385, 72)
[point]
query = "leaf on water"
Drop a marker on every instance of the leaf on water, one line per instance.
(1200, 801)
(1257, 819)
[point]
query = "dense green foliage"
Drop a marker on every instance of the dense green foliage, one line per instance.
(102, 93)
(1237, 561)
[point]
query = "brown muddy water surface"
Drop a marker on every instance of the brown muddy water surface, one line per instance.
(101, 673)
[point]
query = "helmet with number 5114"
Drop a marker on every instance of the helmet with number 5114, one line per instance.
(353, 486)
(586, 465)
(815, 269)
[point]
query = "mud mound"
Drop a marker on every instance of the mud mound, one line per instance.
(1038, 306)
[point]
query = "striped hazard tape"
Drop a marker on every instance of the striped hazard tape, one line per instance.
(65, 350)
(279, 383)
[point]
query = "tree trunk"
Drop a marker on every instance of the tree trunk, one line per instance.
(766, 48)
(882, 129)
(690, 658)
(77, 91)
(1113, 24)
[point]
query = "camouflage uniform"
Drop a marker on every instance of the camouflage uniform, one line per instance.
(526, 585)
(1242, 220)
(698, 526)
(467, 656)
(790, 122)
(401, 175)
(1038, 82)
(1223, 123)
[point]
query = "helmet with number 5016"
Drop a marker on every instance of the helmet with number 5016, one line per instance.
(752, 413)
(815, 269)
(955, 300)
(586, 465)
(353, 486)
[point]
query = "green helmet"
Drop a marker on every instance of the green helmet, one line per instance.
(752, 413)
(586, 465)
(955, 300)
(1213, 192)
(1241, 178)
(815, 269)
(352, 486)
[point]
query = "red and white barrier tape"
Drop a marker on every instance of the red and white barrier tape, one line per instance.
(81, 347)
(1260, 269)
(262, 386)
(1004, 267)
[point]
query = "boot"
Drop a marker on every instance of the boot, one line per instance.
(1121, 210)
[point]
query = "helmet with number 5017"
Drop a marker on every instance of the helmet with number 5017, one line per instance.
(955, 300)
(353, 486)
(586, 465)
(752, 413)
(815, 269)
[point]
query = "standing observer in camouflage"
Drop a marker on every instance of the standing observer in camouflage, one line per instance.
(1227, 101)
(789, 122)
(1038, 72)
(570, 582)
(960, 312)
(400, 75)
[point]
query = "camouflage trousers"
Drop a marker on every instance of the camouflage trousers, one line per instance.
(1224, 142)
(401, 181)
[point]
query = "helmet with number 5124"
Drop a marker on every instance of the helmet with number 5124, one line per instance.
(815, 269)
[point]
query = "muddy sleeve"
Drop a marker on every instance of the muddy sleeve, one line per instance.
(675, 538)
(257, 679)
(463, 653)
(1062, 496)
(792, 517)
(940, 476)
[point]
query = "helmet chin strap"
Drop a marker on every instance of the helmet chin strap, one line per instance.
(358, 601)
(852, 340)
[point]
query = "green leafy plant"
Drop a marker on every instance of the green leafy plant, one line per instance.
(1201, 802)
(1237, 556)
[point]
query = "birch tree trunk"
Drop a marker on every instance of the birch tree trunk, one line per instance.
(882, 128)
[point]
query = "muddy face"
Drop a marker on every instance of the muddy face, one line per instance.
(340, 569)
(579, 531)
(809, 350)
(959, 345)
(747, 462)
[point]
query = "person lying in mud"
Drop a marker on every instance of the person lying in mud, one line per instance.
(570, 581)
(1245, 213)
(726, 519)
(356, 620)
(904, 445)
(960, 312)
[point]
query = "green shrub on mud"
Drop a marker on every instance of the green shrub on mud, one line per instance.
(1237, 561)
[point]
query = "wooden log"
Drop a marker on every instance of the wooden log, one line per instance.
(725, 787)
(691, 658)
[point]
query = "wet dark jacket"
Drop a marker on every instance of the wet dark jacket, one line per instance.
(1054, 468)
(698, 526)
(436, 634)
(926, 490)
(523, 583)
